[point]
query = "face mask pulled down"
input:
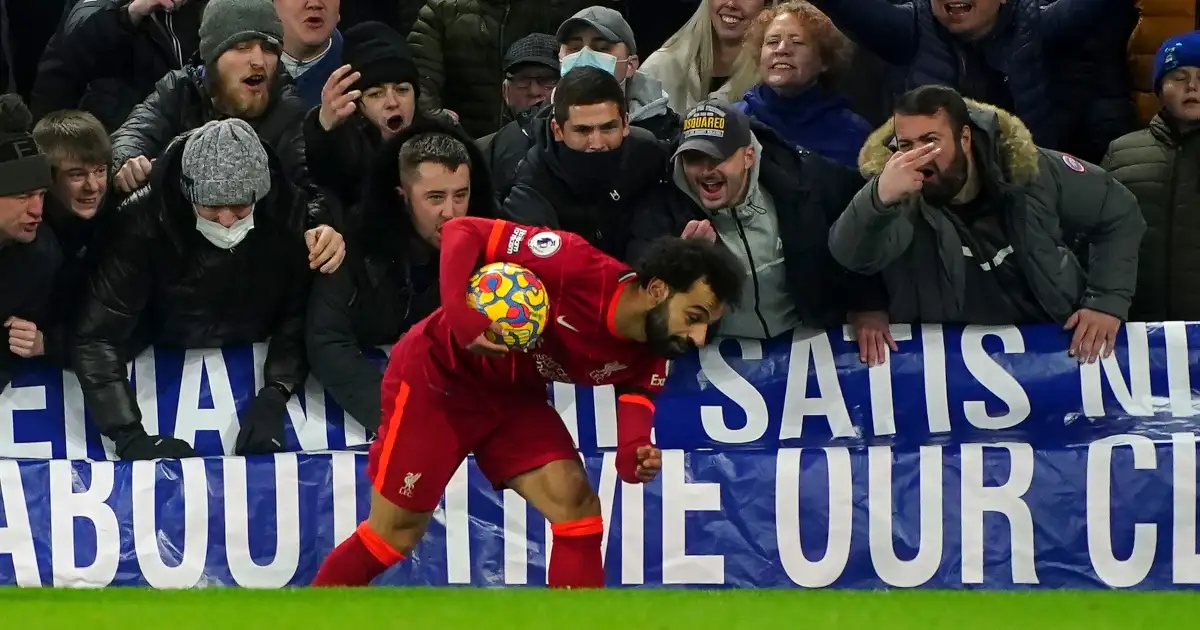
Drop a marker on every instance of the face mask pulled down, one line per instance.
(225, 237)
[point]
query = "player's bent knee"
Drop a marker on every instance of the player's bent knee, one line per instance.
(560, 490)
(402, 529)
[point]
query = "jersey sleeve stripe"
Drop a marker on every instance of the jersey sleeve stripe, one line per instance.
(493, 242)
(390, 440)
(636, 399)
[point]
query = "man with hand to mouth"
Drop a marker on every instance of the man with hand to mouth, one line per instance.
(363, 104)
(969, 222)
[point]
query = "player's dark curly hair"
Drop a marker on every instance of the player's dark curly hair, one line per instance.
(680, 262)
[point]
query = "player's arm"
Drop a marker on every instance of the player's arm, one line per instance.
(465, 244)
(470, 242)
(638, 460)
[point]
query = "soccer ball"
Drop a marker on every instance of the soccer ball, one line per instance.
(513, 297)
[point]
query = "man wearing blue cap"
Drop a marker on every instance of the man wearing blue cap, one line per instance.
(1161, 166)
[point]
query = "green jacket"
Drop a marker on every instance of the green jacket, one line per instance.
(459, 48)
(1055, 211)
(1161, 166)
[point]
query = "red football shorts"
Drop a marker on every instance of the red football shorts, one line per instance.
(430, 427)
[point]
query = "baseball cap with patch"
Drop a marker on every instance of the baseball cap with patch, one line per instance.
(608, 22)
(715, 128)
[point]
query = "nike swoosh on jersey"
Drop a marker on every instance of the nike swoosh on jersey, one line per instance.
(562, 321)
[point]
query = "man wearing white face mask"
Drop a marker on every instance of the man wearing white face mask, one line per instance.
(598, 37)
(212, 253)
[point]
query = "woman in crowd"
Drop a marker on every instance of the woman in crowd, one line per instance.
(799, 52)
(705, 57)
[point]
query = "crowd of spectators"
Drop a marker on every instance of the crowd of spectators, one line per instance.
(201, 173)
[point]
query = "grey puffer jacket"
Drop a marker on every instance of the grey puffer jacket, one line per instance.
(1054, 213)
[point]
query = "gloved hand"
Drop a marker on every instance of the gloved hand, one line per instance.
(262, 424)
(638, 464)
(141, 446)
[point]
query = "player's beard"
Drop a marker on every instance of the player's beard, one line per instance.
(659, 337)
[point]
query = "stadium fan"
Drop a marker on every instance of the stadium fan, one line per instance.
(210, 254)
(611, 326)
(423, 177)
(29, 256)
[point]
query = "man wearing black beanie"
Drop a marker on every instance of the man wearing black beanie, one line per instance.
(29, 254)
(365, 102)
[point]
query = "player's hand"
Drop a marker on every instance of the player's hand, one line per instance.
(337, 99)
(702, 230)
(1095, 334)
(486, 347)
(24, 338)
(902, 174)
(874, 336)
(326, 248)
(649, 463)
(133, 174)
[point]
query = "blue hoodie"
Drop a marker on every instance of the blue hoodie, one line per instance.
(814, 119)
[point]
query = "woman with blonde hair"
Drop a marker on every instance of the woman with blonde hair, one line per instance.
(799, 52)
(705, 58)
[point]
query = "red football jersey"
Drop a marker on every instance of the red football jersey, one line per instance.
(579, 343)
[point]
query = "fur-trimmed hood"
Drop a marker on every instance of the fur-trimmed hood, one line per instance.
(1013, 148)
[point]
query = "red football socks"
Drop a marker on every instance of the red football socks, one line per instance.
(575, 559)
(358, 560)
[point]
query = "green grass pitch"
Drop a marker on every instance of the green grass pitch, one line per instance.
(528, 609)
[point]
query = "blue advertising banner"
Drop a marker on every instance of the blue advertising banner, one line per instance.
(1120, 512)
(946, 385)
(975, 458)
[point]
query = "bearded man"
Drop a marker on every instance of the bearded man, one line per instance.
(969, 222)
(241, 77)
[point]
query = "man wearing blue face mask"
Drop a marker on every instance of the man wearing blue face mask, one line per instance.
(212, 253)
(596, 37)
(589, 173)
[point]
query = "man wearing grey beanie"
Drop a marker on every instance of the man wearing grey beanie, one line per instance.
(241, 77)
(211, 254)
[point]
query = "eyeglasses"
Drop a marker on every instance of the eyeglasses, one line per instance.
(526, 82)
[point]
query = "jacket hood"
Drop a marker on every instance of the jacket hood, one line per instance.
(386, 228)
(646, 97)
(1013, 150)
(163, 202)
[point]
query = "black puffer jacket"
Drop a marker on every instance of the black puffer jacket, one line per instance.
(26, 279)
(182, 102)
(82, 242)
(550, 191)
(162, 283)
(388, 283)
(102, 63)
